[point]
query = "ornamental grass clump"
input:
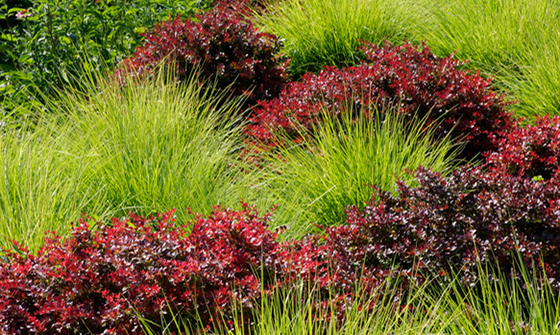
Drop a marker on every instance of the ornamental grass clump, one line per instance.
(337, 162)
(412, 78)
(327, 32)
(146, 147)
(514, 41)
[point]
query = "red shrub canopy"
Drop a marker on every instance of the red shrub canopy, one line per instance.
(532, 151)
(99, 280)
(223, 45)
(461, 103)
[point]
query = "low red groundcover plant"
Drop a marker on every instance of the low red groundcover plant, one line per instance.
(412, 78)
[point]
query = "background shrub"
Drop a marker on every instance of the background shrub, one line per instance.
(462, 103)
(223, 45)
(47, 44)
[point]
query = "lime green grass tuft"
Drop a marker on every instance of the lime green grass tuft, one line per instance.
(314, 181)
(143, 148)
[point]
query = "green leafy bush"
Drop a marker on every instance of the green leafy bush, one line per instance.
(45, 42)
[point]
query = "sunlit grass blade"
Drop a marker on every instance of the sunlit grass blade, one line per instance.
(318, 32)
(516, 42)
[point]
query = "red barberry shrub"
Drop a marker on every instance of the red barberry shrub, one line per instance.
(99, 280)
(249, 7)
(413, 78)
(223, 44)
(454, 223)
(532, 151)
(102, 277)
(332, 264)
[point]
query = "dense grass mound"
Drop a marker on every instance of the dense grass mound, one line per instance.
(338, 162)
(142, 147)
(516, 41)
(318, 33)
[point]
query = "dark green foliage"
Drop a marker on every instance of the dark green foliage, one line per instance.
(44, 43)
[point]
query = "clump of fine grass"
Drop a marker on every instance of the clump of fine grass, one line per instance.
(42, 185)
(318, 32)
(302, 310)
(498, 303)
(515, 41)
(535, 84)
(158, 147)
(490, 33)
(148, 146)
(314, 181)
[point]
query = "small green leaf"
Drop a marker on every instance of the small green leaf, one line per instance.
(65, 40)
(15, 9)
(8, 37)
(139, 30)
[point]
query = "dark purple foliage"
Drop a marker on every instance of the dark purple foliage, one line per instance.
(455, 222)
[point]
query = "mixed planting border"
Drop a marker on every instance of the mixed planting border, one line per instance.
(108, 278)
